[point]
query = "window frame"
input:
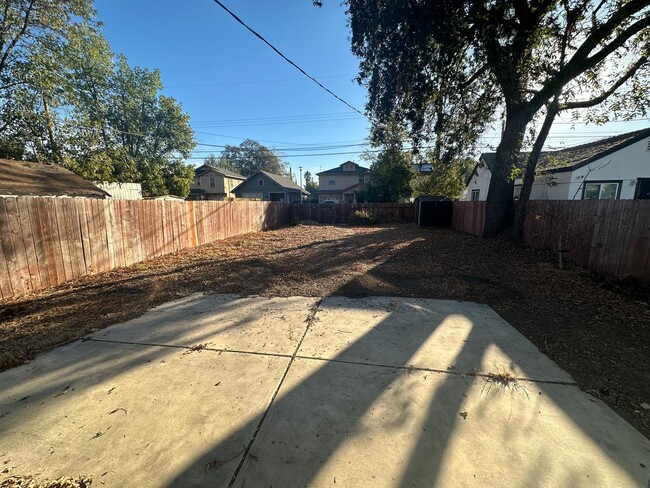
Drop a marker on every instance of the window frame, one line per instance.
(197, 181)
(619, 185)
(213, 182)
(331, 180)
(260, 182)
(476, 192)
(362, 178)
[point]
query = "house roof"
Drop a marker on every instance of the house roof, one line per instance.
(206, 168)
(339, 170)
(22, 178)
(282, 181)
(575, 157)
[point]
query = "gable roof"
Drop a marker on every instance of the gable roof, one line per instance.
(206, 168)
(575, 157)
(282, 181)
(22, 178)
(339, 170)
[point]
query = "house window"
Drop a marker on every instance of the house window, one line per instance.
(213, 183)
(517, 192)
(197, 181)
(601, 190)
(331, 180)
(260, 182)
(362, 178)
(475, 195)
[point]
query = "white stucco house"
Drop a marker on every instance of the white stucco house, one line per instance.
(612, 168)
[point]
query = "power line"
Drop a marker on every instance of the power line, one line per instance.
(252, 82)
(256, 34)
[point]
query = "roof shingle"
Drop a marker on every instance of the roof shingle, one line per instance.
(22, 178)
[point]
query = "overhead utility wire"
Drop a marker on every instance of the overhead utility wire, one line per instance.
(286, 58)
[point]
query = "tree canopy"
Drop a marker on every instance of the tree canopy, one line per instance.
(446, 180)
(66, 98)
(251, 156)
(311, 185)
(482, 57)
(390, 177)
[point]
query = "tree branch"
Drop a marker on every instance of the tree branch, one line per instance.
(581, 62)
(15, 40)
(603, 96)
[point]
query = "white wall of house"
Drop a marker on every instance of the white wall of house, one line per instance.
(625, 166)
(480, 182)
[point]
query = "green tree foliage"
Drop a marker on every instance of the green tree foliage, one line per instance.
(219, 162)
(65, 98)
(446, 180)
(311, 185)
(251, 156)
(390, 177)
(520, 56)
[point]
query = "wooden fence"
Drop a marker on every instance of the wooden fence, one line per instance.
(608, 235)
(469, 217)
(340, 214)
(47, 241)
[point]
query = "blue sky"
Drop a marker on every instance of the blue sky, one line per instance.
(235, 87)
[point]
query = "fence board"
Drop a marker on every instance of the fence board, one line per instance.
(47, 241)
(27, 237)
(18, 284)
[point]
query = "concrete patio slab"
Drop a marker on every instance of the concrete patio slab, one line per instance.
(132, 415)
(346, 409)
(259, 324)
(436, 334)
(336, 424)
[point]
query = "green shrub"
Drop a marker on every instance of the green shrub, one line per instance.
(363, 217)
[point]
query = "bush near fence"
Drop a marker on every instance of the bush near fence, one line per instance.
(48, 241)
(607, 235)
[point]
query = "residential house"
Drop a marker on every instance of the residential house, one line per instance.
(340, 184)
(612, 168)
(270, 187)
(22, 178)
(212, 183)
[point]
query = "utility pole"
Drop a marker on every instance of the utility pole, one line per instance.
(300, 168)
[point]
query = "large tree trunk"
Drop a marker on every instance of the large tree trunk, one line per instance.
(499, 198)
(517, 230)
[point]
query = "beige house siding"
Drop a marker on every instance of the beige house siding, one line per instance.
(222, 188)
(338, 182)
(339, 185)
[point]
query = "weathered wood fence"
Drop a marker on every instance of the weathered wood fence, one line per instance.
(608, 235)
(469, 217)
(47, 241)
(340, 214)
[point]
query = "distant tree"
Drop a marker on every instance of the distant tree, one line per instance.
(219, 162)
(251, 156)
(446, 180)
(310, 184)
(390, 177)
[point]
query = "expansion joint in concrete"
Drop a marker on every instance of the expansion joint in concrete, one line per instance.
(311, 318)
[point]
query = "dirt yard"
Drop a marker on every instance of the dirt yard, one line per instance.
(596, 329)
